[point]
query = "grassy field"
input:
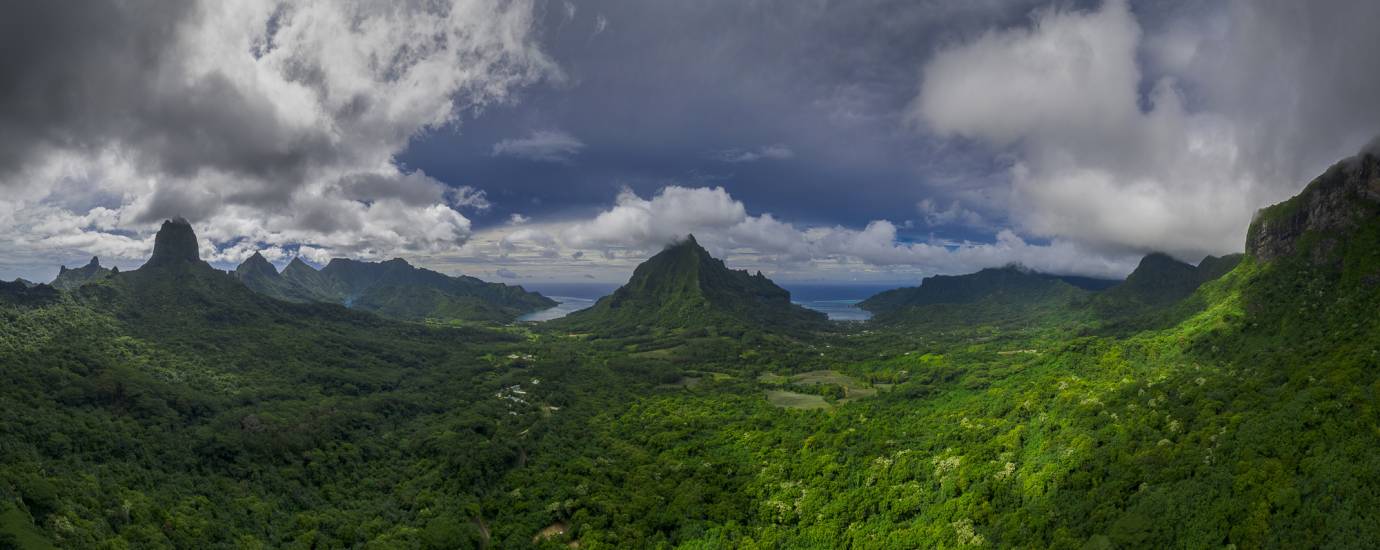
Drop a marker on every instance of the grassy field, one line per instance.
(853, 389)
(826, 377)
(772, 379)
(793, 400)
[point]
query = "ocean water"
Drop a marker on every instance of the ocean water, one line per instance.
(567, 305)
(839, 301)
(837, 310)
(572, 297)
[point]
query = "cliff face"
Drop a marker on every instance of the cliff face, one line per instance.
(1332, 205)
(175, 243)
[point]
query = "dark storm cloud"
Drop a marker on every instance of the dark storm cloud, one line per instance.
(72, 72)
(415, 188)
(89, 75)
(131, 75)
(1307, 72)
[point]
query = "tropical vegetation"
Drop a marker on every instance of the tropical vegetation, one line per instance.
(1233, 403)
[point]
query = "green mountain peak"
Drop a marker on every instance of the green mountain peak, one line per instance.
(296, 264)
(1010, 283)
(257, 265)
(1157, 269)
(684, 287)
(1158, 281)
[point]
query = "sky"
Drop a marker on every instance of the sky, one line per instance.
(568, 140)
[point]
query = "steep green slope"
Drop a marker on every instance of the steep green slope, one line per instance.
(393, 289)
(1213, 267)
(397, 289)
(1158, 279)
(684, 288)
(69, 279)
(1314, 273)
(260, 276)
(1010, 297)
(1161, 280)
(17, 293)
(1157, 294)
(298, 273)
(1013, 296)
(1006, 284)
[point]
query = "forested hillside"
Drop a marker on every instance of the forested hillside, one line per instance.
(174, 407)
(69, 279)
(392, 289)
(684, 288)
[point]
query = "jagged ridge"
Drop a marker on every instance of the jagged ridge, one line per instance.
(393, 288)
(69, 279)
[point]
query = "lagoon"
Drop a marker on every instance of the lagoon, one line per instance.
(838, 301)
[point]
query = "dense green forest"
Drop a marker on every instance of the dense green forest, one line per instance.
(1229, 404)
